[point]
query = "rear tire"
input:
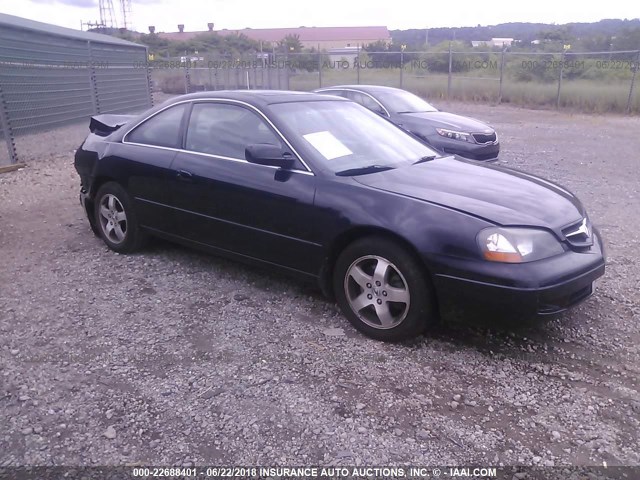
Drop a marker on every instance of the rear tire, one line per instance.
(382, 290)
(115, 219)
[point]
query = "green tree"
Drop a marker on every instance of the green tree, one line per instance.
(290, 44)
(627, 39)
(388, 54)
(556, 37)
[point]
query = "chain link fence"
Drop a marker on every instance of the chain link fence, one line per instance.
(47, 81)
(587, 81)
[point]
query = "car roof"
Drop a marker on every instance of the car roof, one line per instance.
(257, 97)
(363, 88)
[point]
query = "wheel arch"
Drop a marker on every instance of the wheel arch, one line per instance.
(98, 182)
(346, 238)
(89, 203)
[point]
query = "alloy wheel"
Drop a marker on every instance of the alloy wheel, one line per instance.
(377, 292)
(113, 218)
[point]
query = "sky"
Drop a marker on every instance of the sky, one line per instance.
(236, 14)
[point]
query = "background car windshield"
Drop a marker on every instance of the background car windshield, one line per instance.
(345, 135)
(404, 102)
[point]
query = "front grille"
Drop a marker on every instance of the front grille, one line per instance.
(484, 137)
(579, 234)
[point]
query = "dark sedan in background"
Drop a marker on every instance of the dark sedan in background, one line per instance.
(324, 189)
(447, 132)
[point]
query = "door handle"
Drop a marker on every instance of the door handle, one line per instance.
(184, 176)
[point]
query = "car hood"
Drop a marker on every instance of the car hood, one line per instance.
(446, 120)
(496, 194)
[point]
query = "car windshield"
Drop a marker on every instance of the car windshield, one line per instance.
(346, 138)
(404, 102)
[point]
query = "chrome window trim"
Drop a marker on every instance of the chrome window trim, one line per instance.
(336, 89)
(220, 157)
(308, 170)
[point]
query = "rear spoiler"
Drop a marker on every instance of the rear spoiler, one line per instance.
(105, 124)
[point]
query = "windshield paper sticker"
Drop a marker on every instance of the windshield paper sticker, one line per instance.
(328, 145)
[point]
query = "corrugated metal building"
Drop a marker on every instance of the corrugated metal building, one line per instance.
(51, 76)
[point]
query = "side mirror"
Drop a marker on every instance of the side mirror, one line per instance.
(267, 154)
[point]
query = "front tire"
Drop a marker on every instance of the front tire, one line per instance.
(116, 220)
(382, 290)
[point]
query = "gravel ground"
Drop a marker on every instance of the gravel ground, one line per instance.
(171, 356)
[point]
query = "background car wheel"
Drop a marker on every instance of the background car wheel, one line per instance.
(115, 219)
(382, 290)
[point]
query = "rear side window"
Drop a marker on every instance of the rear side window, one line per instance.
(162, 130)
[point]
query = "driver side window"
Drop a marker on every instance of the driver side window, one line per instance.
(355, 96)
(226, 130)
(366, 101)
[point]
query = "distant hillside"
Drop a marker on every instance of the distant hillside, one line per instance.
(520, 31)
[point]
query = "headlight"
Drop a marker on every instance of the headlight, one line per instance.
(462, 136)
(517, 245)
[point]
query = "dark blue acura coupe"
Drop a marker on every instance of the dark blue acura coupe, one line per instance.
(324, 189)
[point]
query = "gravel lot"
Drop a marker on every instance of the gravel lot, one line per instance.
(171, 356)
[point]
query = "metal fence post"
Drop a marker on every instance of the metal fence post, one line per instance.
(92, 81)
(449, 77)
(187, 78)
(149, 79)
(269, 80)
(287, 72)
(358, 63)
(7, 132)
(560, 79)
(501, 75)
(633, 82)
(319, 68)
(401, 68)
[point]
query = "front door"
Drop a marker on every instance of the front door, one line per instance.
(226, 202)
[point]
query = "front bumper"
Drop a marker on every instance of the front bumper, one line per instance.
(509, 291)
